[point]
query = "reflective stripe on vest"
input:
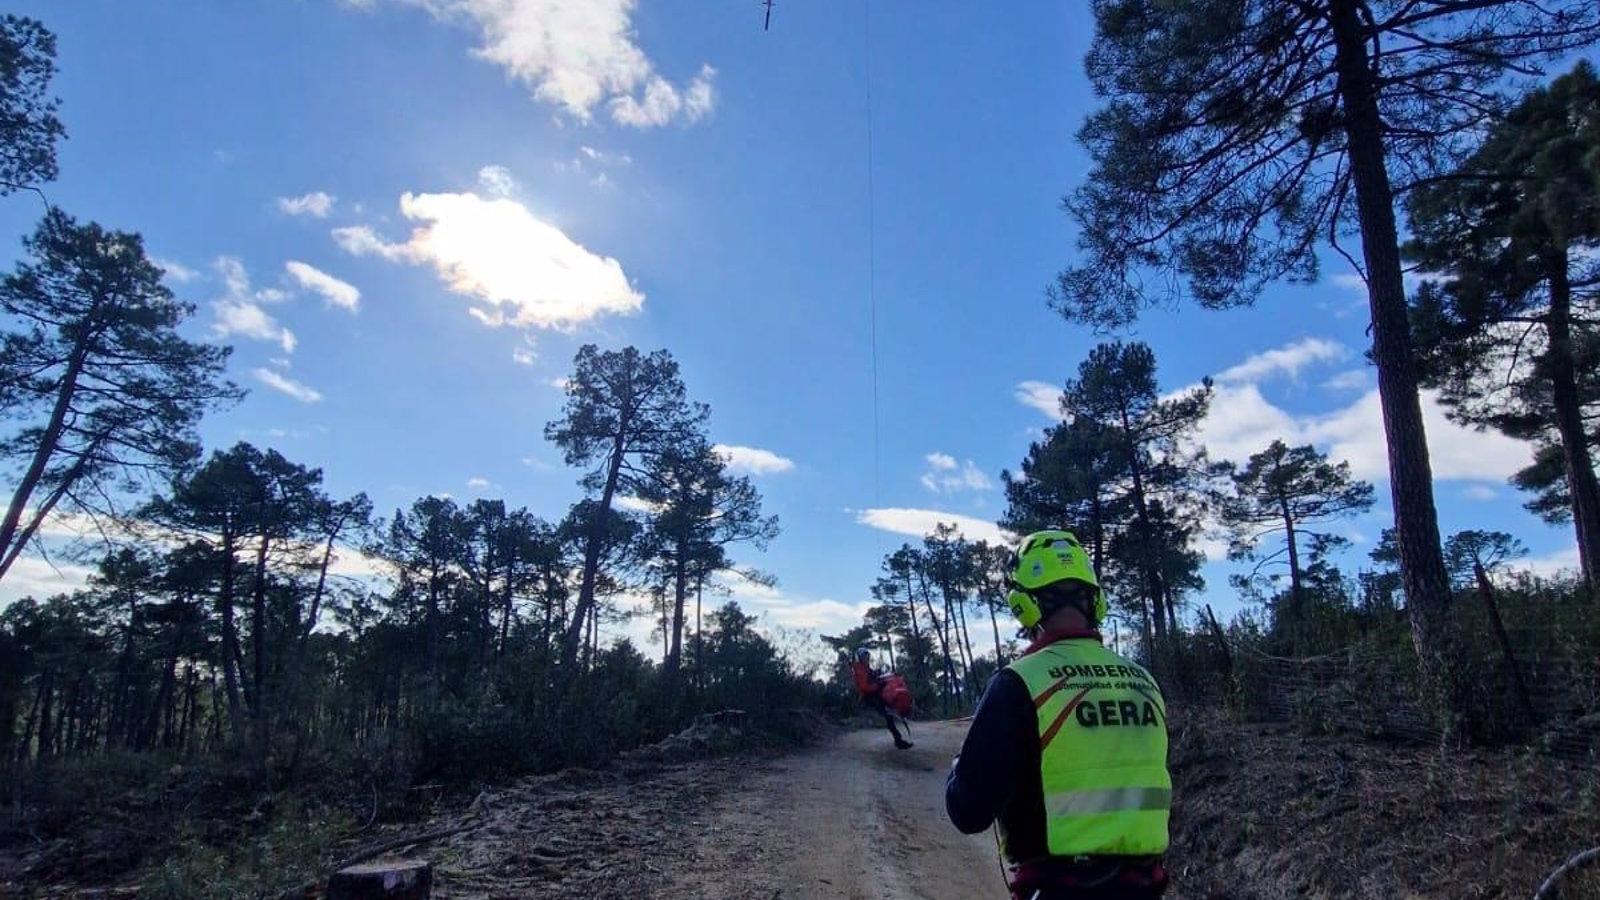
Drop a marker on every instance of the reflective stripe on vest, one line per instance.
(1102, 750)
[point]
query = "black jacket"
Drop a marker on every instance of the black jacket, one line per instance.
(997, 776)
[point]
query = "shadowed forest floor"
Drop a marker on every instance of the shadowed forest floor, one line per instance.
(1263, 813)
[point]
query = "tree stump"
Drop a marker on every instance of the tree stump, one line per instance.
(401, 879)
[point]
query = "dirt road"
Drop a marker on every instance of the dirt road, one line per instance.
(850, 819)
(853, 819)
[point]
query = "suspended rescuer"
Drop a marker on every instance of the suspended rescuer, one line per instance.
(869, 684)
(1068, 749)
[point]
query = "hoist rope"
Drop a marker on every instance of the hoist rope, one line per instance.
(872, 271)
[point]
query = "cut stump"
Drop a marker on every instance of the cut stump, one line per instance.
(400, 879)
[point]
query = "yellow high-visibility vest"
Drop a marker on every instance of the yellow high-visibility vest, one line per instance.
(1102, 750)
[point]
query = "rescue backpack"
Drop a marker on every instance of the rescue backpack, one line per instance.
(896, 695)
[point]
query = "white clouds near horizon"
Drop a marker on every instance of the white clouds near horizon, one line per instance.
(923, 522)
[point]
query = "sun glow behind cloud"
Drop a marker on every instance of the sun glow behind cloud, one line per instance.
(521, 271)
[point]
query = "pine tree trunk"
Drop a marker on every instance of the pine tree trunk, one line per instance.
(1558, 362)
(591, 557)
(994, 622)
(48, 439)
(230, 632)
(944, 649)
(916, 631)
(1296, 606)
(1422, 570)
(680, 593)
(1490, 606)
(258, 641)
(1154, 586)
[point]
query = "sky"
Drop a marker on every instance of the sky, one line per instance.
(407, 215)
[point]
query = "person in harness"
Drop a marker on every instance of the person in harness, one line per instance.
(870, 685)
(1067, 751)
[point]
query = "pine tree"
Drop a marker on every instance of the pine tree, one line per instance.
(1149, 443)
(1293, 491)
(1238, 135)
(29, 128)
(623, 409)
(1515, 231)
(93, 369)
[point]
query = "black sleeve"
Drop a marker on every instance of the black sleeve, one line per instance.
(993, 755)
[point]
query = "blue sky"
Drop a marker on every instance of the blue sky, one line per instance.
(500, 182)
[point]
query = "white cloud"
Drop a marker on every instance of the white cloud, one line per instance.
(661, 101)
(1356, 434)
(1479, 492)
(922, 522)
(1348, 380)
(334, 291)
(824, 615)
(239, 311)
(1242, 422)
(497, 181)
(752, 460)
(1549, 564)
(560, 384)
(606, 158)
(316, 204)
(524, 355)
(284, 384)
(946, 475)
(579, 56)
(478, 483)
(525, 272)
(1352, 281)
(1287, 360)
(175, 271)
(630, 503)
(1041, 395)
(31, 576)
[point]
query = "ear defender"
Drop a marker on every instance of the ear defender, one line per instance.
(1025, 608)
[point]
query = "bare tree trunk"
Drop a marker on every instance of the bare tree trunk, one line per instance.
(230, 634)
(680, 591)
(591, 555)
(1579, 467)
(999, 658)
(1492, 607)
(48, 440)
(1422, 570)
(1222, 644)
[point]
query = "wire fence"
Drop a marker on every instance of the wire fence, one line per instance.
(1538, 689)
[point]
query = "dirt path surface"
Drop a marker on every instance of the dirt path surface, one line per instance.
(854, 819)
(851, 818)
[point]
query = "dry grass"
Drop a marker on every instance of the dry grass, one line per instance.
(1267, 812)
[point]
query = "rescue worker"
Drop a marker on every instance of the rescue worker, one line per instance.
(869, 684)
(1068, 748)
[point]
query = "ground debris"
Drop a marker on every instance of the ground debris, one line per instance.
(1267, 813)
